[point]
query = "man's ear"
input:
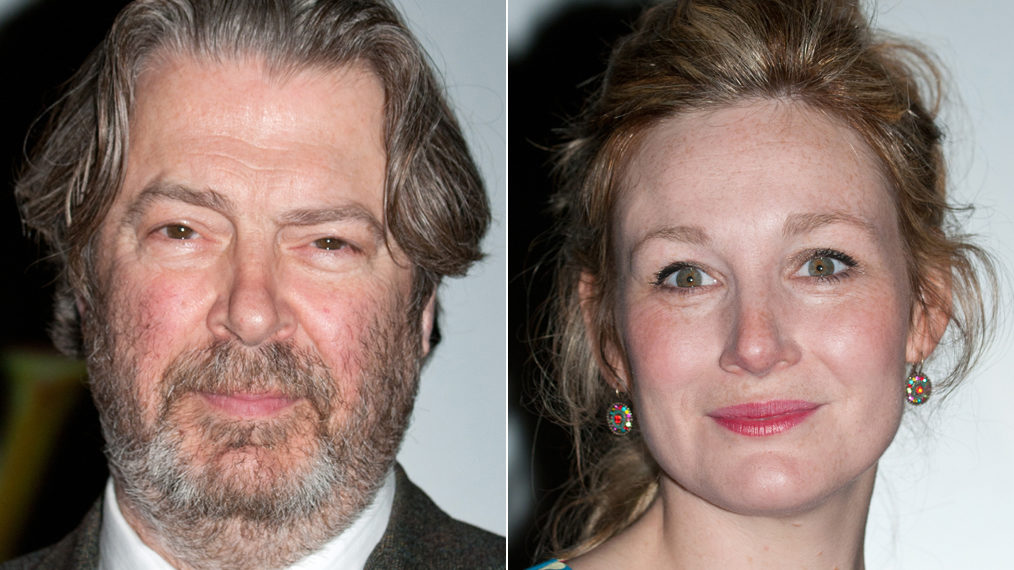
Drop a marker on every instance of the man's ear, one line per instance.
(608, 356)
(80, 303)
(931, 313)
(426, 322)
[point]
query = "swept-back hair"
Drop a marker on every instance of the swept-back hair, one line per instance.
(435, 206)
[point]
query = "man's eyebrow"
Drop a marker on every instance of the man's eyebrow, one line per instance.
(796, 224)
(162, 191)
(215, 201)
(313, 216)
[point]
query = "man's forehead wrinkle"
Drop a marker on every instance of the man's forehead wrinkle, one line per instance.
(271, 129)
(166, 83)
(274, 155)
(158, 190)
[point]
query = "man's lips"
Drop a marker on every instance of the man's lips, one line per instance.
(758, 419)
(249, 405)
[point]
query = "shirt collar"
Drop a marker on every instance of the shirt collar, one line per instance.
(121, 548)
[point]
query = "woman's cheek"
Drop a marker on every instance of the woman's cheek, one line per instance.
(664, 348)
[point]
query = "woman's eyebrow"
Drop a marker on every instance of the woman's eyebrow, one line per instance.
(694, 235)
(796, 224)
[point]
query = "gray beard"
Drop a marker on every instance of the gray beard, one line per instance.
(208, 509)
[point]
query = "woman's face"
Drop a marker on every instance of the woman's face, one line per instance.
(763, 305)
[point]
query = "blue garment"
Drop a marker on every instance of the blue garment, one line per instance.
(551, 565)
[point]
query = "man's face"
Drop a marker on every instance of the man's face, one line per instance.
(250, 352)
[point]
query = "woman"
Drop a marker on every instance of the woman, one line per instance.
(756, 271)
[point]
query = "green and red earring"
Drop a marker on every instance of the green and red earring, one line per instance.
(917, 386)
(619, 417)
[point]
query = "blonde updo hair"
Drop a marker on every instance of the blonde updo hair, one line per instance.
(691, 55)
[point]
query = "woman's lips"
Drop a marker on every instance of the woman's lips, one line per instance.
(249, 405)
(757, 419)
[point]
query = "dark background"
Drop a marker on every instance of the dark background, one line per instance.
(548, 85)
(40, 47)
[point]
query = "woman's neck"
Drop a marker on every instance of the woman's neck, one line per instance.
(681, 530)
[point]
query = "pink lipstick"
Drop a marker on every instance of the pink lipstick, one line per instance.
(758, 419)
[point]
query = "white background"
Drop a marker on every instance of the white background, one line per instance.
(945, 490)
(455, 449)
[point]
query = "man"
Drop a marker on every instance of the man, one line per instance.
(254, 204)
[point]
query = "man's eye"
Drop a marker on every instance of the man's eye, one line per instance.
(330, 243)
(682, 276)
(178, 231)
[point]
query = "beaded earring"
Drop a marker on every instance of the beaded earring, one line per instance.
(619, 417)
(917, 386)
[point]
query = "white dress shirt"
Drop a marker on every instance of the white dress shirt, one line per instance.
(121, 549)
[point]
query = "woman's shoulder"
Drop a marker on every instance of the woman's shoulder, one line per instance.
(551, 565)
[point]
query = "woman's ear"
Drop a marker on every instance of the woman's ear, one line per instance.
(608, 355)
(931, 313)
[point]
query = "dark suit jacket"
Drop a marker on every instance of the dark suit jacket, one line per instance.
(419, 535)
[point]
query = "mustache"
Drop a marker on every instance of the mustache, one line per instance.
(228, 368)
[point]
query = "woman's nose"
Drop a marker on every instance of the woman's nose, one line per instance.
(759, 341)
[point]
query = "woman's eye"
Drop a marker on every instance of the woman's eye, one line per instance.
(825, 264)
(178, 231)
(329, 243)
(684, 277)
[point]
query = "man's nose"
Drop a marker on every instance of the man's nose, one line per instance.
(250, 307)
(759, 341)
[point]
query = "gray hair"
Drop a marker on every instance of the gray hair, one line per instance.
(435, 206)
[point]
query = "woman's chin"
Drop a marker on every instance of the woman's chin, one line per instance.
(778, 487)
